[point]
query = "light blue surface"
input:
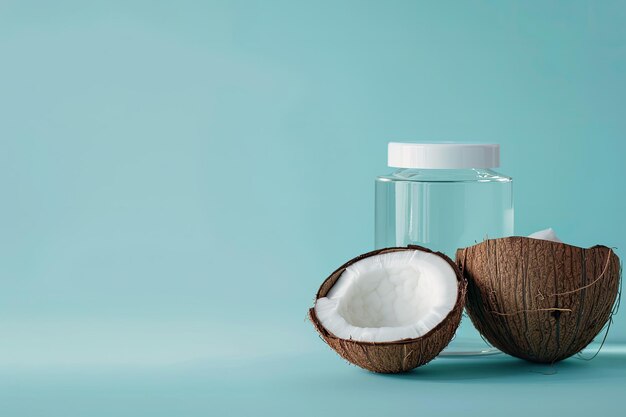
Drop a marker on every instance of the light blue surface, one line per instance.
(319, 384)
(178, 178)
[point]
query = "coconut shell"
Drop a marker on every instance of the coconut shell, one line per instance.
(397, 356)
(539, 300)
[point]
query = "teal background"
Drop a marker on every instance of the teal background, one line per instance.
(177, 179)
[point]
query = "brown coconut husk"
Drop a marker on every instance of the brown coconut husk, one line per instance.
(397, 356)
(539, 300)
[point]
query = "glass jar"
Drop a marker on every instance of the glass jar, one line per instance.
(444, 196)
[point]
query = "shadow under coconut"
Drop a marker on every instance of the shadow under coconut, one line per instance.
(507, 369)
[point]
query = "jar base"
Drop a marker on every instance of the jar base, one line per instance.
(464, 352)
(468, 342)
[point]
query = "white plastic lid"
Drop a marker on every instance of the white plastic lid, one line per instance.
(443, 155)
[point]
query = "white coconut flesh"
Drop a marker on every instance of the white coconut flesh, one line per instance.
(389, 297)
(546, 234)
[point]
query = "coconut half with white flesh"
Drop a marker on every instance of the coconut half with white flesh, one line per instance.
(391, 310)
